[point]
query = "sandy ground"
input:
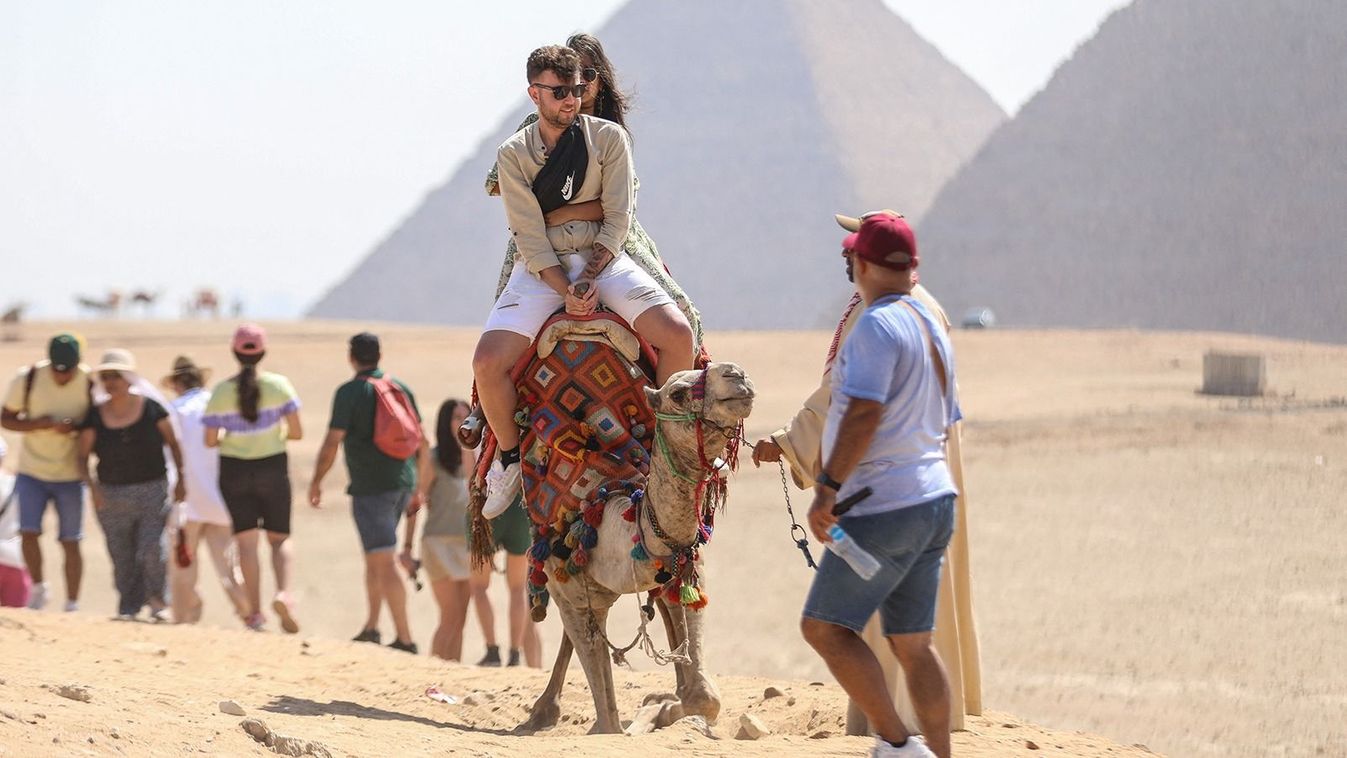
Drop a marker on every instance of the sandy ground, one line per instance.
(1150, 564)
(156, 691)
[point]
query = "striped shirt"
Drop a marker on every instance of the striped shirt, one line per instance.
(252, 440)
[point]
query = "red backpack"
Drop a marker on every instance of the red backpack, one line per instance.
(397, 431)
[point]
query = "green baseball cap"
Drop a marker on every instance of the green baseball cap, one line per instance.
(64, 352)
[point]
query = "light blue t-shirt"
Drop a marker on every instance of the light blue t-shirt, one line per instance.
(885, 359)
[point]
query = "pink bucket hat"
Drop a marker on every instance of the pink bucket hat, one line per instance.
(250, 339)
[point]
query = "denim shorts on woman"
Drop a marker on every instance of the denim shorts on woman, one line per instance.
(909, 544)
(376, 518)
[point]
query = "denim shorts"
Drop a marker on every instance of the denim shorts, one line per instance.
(33, 495)
(376, 518)
(910, 546)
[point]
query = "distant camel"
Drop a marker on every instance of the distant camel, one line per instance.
(108, 307)
(204, 302)
(146, 300)
(10, 321)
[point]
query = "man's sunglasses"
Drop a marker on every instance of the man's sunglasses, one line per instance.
(110, 376)
(564, 91)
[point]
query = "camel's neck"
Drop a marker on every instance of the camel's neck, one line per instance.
(673, 486)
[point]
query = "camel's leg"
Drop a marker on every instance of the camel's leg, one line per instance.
(593, 654)
(698, 693)
(673, 630)
(547, 708)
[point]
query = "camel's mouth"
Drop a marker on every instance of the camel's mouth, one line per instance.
(733, 395)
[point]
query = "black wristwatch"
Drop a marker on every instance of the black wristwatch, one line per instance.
(828, 481)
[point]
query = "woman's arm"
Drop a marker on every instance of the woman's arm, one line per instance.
(85, 448)
(165, 426)
(409, 535)
(293, 429)
(590, 210)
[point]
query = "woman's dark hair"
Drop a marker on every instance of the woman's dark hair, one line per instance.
(250, 394)
(610, 103)
(447, 450)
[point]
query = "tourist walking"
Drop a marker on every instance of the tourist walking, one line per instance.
(250, 417)
(444, 542)
(201, 518)
(382, 480)
(892, 400)
(46, 403)
(128, 432)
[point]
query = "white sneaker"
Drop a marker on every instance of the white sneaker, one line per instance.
(502, 487)
(71, 606)
(914, 748)
(37, 599)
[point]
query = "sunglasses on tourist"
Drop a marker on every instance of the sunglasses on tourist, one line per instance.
(563, 91)
(109, 376)
(589, 74)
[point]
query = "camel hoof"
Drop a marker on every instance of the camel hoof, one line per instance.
(703, 700)
(545, 715)
(602, 729)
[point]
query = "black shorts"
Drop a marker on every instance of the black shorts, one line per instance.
(257, 493)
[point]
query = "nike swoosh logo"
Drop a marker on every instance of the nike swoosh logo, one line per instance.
(566, 189)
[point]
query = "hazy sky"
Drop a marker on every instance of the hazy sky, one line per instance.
(263, 148)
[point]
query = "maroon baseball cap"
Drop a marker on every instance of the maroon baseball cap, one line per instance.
(884, 240)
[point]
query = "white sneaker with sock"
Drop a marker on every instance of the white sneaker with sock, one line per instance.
(71, 606)
(915, 747)
(502, 487)
(37, 599)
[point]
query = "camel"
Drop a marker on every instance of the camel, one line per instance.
(669, 517)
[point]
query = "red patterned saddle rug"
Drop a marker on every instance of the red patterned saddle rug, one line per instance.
(583, 413)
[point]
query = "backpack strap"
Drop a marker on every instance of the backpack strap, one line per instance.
(941, 372)
(28, 387)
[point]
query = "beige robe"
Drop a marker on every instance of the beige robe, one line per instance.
(955, 630)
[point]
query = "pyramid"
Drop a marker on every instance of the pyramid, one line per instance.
(1186, 169)
(753, 123)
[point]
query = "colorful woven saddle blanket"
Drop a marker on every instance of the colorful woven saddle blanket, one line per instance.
(583, 412)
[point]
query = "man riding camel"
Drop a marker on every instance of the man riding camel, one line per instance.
(564, 158)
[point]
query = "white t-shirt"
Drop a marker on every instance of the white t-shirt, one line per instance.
(885, 359)
(201, 464)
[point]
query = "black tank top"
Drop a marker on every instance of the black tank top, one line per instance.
(130, 454)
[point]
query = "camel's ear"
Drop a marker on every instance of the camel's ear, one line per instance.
(652, 397)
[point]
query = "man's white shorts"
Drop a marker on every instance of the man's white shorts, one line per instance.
(527, 302)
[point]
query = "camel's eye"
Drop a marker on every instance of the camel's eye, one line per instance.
(679, 395)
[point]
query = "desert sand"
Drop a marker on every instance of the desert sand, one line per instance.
(1151, 565)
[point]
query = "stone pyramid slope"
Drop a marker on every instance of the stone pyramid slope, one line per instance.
(1186, 169)
(754, 122)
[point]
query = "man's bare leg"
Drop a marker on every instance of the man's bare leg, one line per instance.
(667, 330)
(928, 686)
(74, 569)
(858, 671)
(497, 352)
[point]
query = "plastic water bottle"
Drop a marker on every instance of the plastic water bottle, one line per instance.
(864, 564)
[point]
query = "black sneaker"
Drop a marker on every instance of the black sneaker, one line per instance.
(514, 657)
(492, 657)
(367, 635)
(406, 647)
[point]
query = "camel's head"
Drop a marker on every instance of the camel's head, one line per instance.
(721, 395)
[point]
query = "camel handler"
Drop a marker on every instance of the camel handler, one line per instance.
(798, 442)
